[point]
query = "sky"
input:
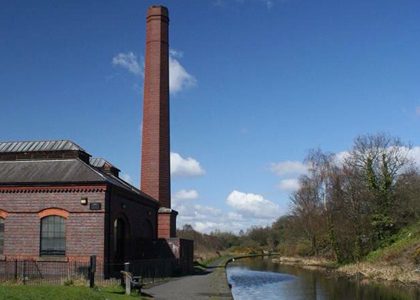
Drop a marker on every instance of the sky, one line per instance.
(255, 84)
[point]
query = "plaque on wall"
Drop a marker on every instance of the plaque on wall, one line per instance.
(95, 206)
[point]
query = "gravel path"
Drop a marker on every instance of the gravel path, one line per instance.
(211, 284)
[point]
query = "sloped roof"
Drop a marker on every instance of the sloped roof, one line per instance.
(32, 171)
(99, 162)
(35, 146)
(60, 171)
(47, 171)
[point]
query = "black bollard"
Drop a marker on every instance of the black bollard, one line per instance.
(92, 270)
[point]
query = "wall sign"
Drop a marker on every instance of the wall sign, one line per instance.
(95, 206)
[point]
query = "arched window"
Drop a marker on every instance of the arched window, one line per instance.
(1, 235)
(119, 238)
(53, 236)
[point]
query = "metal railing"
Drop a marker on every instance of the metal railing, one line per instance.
(58, 272)
(31, 271)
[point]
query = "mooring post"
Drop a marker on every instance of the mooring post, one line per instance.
(16, 269)
(127, 278)
(92, 270)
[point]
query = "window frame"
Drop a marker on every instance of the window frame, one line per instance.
(56, 232)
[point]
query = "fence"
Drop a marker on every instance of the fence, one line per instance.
(57, 272)
(33, 272)
(152, 269)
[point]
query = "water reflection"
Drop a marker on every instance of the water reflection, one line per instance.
(259, 278)
(245, 277)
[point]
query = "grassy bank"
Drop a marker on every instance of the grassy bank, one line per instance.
(306, 262)
(397, 261)
(52, 292)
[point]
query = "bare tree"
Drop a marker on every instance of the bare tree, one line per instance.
(379, 160)
(308, 209)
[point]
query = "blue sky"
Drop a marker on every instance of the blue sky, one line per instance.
(256, 84)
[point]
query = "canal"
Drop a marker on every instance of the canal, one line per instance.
(260, 278)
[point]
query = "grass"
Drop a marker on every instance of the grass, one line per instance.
(47, 292)
(406, 244)
(208, 262)
(396, 261)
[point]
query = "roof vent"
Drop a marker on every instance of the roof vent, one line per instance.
(104, 166)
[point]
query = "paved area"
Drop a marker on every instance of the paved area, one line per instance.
(209, 284)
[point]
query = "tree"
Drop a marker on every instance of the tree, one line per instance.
(380, 159)
(307, 208)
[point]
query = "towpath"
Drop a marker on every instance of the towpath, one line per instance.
(209, 284)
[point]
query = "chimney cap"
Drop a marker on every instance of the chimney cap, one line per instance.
(157, 10)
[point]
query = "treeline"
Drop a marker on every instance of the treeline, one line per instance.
(346, 206)
(208, 245)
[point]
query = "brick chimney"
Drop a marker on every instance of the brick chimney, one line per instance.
(155, 165)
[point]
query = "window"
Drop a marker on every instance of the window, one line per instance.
(119, 238)
(53, 236)
(1, 235)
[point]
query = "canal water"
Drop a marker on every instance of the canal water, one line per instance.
(260, 278)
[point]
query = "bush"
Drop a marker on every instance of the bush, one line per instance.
(304, 248)
(68, 282)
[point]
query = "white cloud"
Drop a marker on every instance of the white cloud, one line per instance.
(205, 218)
(253, 205)
(192, 213)
(179, 78)
(340, 157)
(414, 154)
(129, 62)
(288, 168)
(206, 226)
(291, 170)
(202, 218)
(176, 53)
(182, 195)
(235, 216)
(185, 167)
(289, 185)
(207, 210)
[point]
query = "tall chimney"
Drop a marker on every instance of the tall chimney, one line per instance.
(155, 163)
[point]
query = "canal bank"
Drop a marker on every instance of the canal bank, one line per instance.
(379, 272)
(261, 278)
(208, 282)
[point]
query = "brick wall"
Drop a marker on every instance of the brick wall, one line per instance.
(84, 227)
(167, 223)
(183, 250)
(140, 217)
(88, 232)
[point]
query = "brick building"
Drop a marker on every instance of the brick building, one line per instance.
(57, 203)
